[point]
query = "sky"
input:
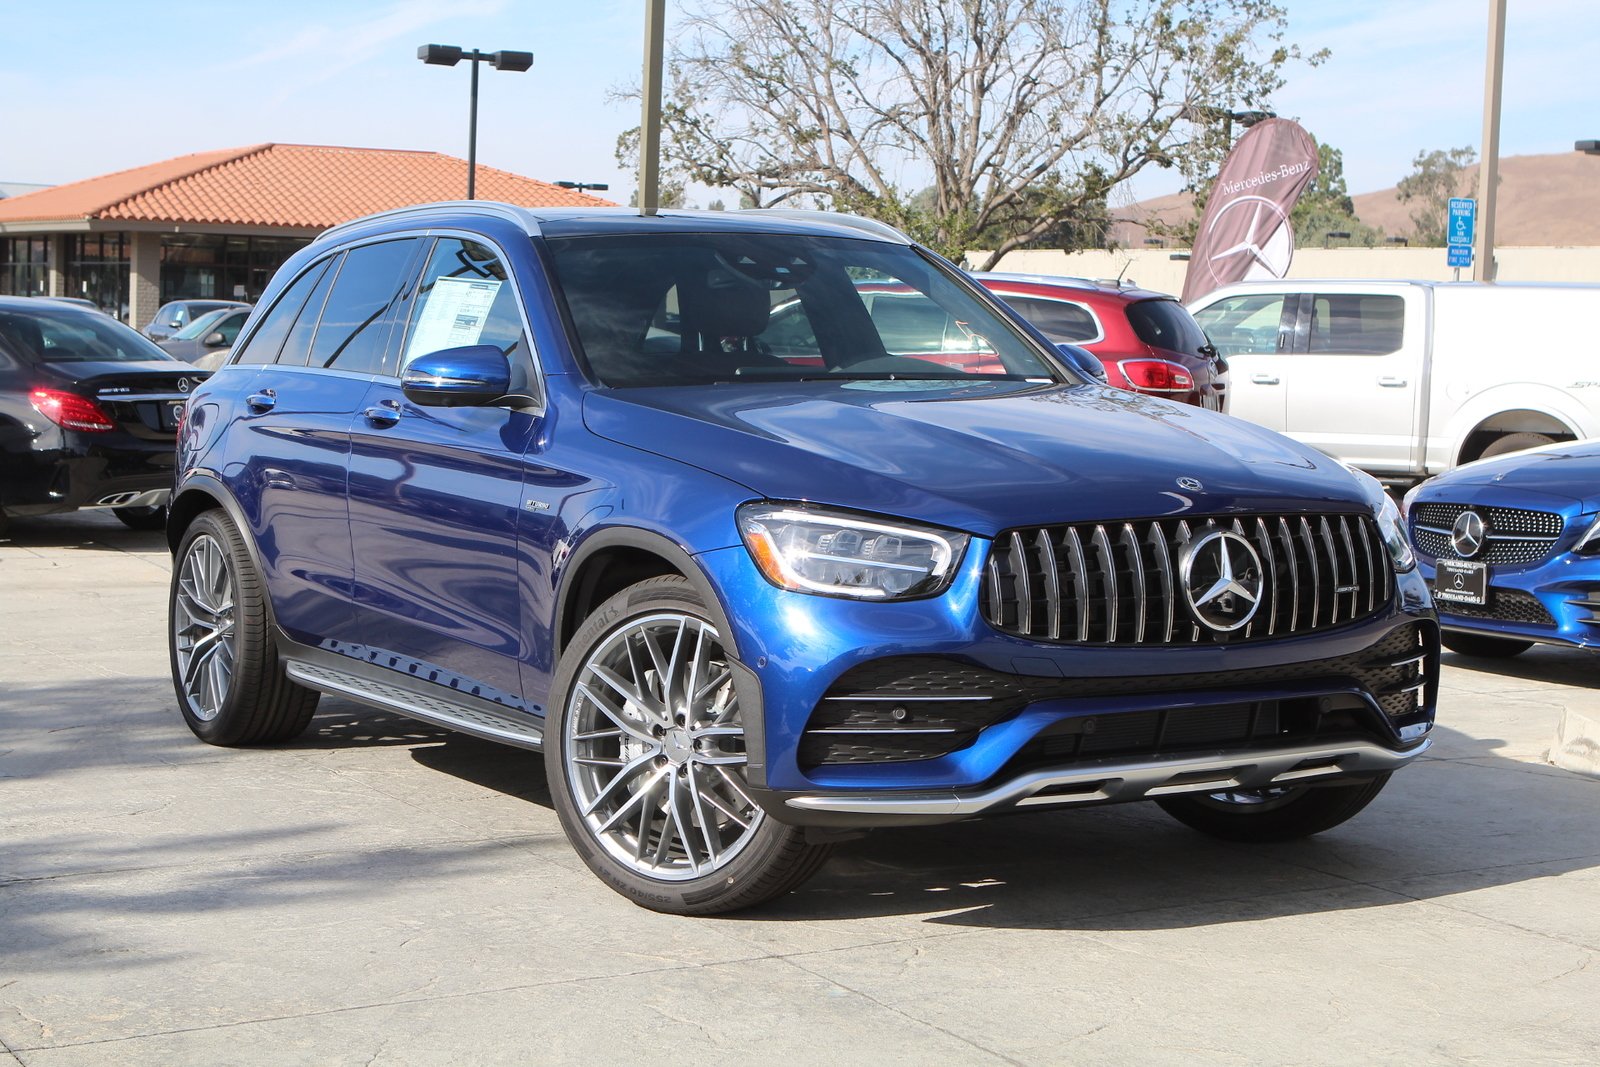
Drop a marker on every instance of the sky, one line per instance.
(103, 85)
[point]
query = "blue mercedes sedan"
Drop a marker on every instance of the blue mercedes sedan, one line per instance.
(760, 557)
(1511, 546)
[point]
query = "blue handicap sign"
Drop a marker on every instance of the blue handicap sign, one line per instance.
(1459, 256)
(1463, 219)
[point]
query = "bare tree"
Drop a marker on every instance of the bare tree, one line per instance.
(959, 120)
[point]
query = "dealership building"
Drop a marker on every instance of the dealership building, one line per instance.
(218, 224)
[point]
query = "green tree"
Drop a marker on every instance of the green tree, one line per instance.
(1024, 113)
(1435, 177)
(1325, 206)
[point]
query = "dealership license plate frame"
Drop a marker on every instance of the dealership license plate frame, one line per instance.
(1461, 581)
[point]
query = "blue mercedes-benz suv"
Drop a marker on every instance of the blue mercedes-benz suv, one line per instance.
(759, 560)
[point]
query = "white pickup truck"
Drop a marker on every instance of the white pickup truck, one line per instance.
(1407, 379)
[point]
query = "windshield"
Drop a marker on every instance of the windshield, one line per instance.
(201, 326)
(684, 309)
(68, 335)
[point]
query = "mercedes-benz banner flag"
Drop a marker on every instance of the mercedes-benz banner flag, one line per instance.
(1245, 232)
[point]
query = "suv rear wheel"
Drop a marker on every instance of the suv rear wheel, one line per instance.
(1281, 813)
(231, 687)
(646, 758)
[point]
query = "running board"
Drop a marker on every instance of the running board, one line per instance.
(451, 712)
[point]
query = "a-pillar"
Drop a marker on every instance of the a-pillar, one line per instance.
(144, 278)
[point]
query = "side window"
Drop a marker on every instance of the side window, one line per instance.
(298, 346)
(466, 298)
(264, 344)
(229, 327)
(1362, 324)
(1059, 320)
(351, 333)
(1245, 325)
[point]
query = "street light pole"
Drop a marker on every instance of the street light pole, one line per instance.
(448, 55)
(1489, 169)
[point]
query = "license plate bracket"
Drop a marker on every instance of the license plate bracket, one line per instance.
(1461, 581)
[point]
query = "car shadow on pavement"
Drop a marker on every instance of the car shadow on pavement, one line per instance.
(1462, 819)
(1541, 663)
(92, 529)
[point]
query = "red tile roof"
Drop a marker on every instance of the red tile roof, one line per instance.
(294, 186)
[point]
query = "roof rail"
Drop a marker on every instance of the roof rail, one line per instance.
(493, 208)
(837, 218)
(1043, 279)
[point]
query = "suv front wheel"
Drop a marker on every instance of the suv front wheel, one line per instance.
(645, 752)
(1279, 813)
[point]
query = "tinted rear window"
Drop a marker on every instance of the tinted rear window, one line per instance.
(1063, 323)
(68, 335)
(1165, 324)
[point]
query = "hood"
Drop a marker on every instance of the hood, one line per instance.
(1569, 471)
(980, 457)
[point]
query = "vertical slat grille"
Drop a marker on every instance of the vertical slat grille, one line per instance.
(1122, 583)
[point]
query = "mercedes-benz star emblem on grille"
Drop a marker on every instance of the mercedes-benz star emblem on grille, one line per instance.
(183, 385)
(1191, 484)
(1469, 534)
(1222, 580)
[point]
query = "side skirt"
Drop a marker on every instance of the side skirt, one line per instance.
(337, 675)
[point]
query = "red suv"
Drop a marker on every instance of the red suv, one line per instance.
(1148, 341)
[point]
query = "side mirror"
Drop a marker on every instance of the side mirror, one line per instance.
(470, 376)
(214, 339)
(1084, 362)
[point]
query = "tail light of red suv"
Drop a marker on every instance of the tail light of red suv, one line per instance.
(1159, 377)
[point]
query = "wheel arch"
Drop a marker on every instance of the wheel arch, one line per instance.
(201, 493)
(1515, 408)
(611, 559)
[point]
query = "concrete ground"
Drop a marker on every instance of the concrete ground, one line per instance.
(384, 892)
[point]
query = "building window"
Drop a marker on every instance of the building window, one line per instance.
(205, 266)
(97, 269)
(24, 266)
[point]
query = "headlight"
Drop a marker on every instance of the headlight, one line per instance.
(1393, 528)
(1391, 522)
(809, 550)
(1589, 543)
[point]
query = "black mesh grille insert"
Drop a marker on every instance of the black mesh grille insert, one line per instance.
(918, 707)
(1505, 605)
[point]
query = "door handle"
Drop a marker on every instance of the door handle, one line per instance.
(1264, 379)
(262, 402)
(383, 414)
(1389, 381)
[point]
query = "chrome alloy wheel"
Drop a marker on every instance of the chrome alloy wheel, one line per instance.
(654, 749)
(204, 637)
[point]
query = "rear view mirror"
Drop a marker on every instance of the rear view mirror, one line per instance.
(470, 376)
(214, 339)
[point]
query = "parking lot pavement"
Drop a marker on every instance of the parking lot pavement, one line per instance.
(384, 892)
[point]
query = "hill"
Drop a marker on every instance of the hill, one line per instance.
(1543, 200)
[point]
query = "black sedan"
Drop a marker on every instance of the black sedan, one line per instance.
(89, 413)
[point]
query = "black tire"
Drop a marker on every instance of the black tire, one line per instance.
(1484, 647)
(1272, 814)
(257, 704)
(142, 518)
(765, 857)
(1515, 442)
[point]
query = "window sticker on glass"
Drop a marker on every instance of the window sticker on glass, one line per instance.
(454, 315)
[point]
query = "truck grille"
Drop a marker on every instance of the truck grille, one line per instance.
(1516, 535)
(1120, 583)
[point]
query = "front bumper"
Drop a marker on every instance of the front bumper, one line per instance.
(798, 647)
(1555, 602)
